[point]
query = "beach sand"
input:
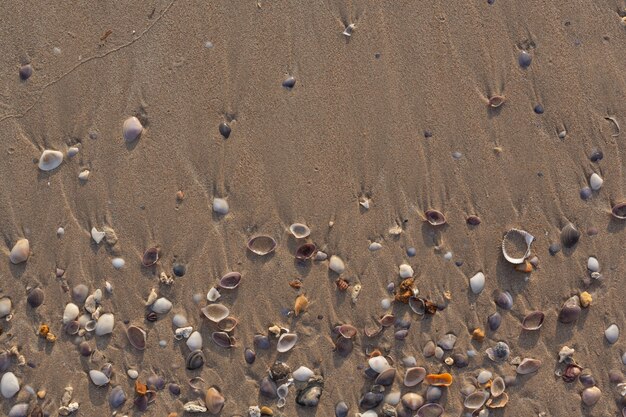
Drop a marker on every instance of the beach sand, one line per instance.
(352, 127)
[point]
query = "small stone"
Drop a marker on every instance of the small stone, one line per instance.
(554, 248)
(84, 175)
(385, 303)
(220, 206)
(447, 256)
(26, 71)
(224, 130)
(132, 373)
(374, 246)
(524, 59)
(612, 333)
(595, 182)
(179, 269)
(585, 193)
(538, 109)
(411, 252)
(72, 151)
(118, 263)
(596, 155)
(290, 82)
(405, 271)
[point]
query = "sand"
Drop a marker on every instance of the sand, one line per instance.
(352, 126)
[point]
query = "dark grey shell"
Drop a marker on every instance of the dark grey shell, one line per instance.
(195, 360)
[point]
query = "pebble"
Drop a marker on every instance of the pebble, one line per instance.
(612, 333)
(105, 324)
(538, 109)
(5, 307)
(593, 265)
(374, 246)
(162, 306)
(596, 155)
(554, 248)
(9, 385)
(411, 252)
(72, 151)
(118, 263)
(25, 72)
(179, 269)
(336, 264)
(447, 256)
(385, 303)
(585, 193)
(163, 343)
(456, 155)
(595, 182)
(524, 59)
(438, 352)
(84, 175)
(477, 283)
(132, 373)
(290, 82)
(405, 271)
(220, 206)
(341, 409)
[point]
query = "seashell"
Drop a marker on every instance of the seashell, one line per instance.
(477, 283)
(70, 313)
(460, 360)
(347, 330)
(320, 256)
(496, 101)
(301, 304)
(571, 372)
(387, 320)
(484, 376)
(215, 312)
(371, 400)
(214, 401)
(473, 220)
(5, 307)
(97, 235)
(72, 327)
(104, 325)
(433, 394)
(414, 376)
(131, 129)
(373, 330)
(306, 251)
(374, 246)
(379, 364)
(289, 82)
(150, 256)
(612, 333)
(528, 366)
(155, 382)
(9, 385)
(430, 410)
(162, 305)
(224, 130)
(90, 325)
(591, 395)
(84, 175)
(429, 349)
(525, 267)
(98, 378)
(79, 293)
(499, 353)
(195, 360)
(412, 400)
(386, 377)
(261, 341)
(310, 395)
(476, 400)
(249, 355)
(569, 235)
(35, 298)
(570, 310)
(533, 320)
(341, 409)
(20, 251)
(354, 295)
(299, 230)
(118, 263)
(516, 245)
(20, 410)
(497, 386)
(222, 339)
(296, 284)
(141, 402)
(220, 206)
(405, 271)
(499, 401)
(50, 160)
(619, 210)
(586, 379)
(5, 361)
(194, 341)
(286, 342)
(447, 341)
(336, 264)
(595, 182)
(439, 380)
(117, 397)
(196, 406)
(504, 300)
(342, 284)
(262, 245)
(137, 337)
(435, 218)
(230, 281)
(302, 374)
(213, 294)
(279, 371)
(228, 324)
(593, 265)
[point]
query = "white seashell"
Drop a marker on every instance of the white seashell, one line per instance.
(179, 320)
(213, 294)
(513, 234)
(378, 364)
(9, 385)
(50, 160)
(302, 374)
(108, 286)
(97, 295)
(374, 246)
(194, 341)
(612, 333)
(72, 151)
(162, 306)
(393, 397)
(477, 283)
(336, 264)
(97, 235)
(368, 413)
(98, 378)
(320, 256)
(60, 232)
(118, 263)
(299, 230)
(196, 406)
(565, 353)
(183, 332)
(132, 373)
(20, 251)
(385, 303)
(365, 202)
(152, 297)
(5, 307)
(220, 206)
(66, 410)
(70, 313)
(131, 129)
(483, 377)
(595, 182)
(105, 324)
(593, 265)
(84, 175)
(286, 342)
(406, 271)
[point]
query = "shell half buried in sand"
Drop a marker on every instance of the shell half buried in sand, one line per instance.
(516, 245)
(262, 245)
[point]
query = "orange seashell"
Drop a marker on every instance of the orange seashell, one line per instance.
(342, 284)
(439, 380)
(44, 330)
(405, 290)
(140, 388)
(525, 267)
(301, 304)
(478, 334)
(375, 352)
(296, 283)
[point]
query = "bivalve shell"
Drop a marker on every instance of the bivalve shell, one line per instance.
(619, 210)
(98, 378)
(528, 366)
(20, 251)
(516, 245)
(215, 312)
(230, 281)
(162, 305)
(414, 376)
(570, 310)
(50, 160)
(104, 325)
(299, 230)
(435, 217)
(286, 342)
(569, 235)
(262, 245)
(136, 337)
(214, 401)
(430, 410)
(476, 400)
(612, 333)
(477, 283)
(131, 129)
(533, 320)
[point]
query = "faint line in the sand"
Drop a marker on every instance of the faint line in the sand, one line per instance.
(92, 58)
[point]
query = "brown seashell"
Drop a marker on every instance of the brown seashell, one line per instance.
(525, 267)
(227, 324)
(435, 218)
(387, 320)
(414, 376)
(296, 283)
(473, 220)
(262, 245)
(301, 304)
(478, 334)
(136, 337)
(497, 386)
(214, 401)
(306, 251)
(44, 330)
(439, 380)
(140, 388)
(150, 257)
(230, 281)
(498, 402)
(222, 339)
(342, 284)
(405, 290)
(347, 330)
(619, 210)
(570, 310)
(266, 411)
(496, 101)
(571, 372)
(569, 235)
(533, 321)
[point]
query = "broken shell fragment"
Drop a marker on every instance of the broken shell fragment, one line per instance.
(533, 321)
(262, 245)
(136, 337)
(619, 210)
(150, 256)
(516, 245)
(215, 312)
(50, 160)
(230, 281)
(435, 218)
(131, 129)
(286, 342)
(306, 251)
(499, 353)
(299, 230)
